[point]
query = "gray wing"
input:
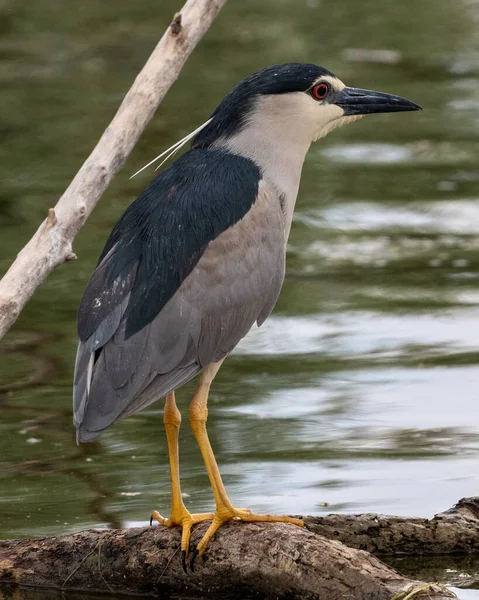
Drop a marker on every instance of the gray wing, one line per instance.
(235, 283)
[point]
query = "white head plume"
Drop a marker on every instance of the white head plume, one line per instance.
(172, 150)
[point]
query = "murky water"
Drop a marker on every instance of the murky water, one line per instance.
(360, 392)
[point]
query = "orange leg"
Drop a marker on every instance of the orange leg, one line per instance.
(225, 511)
(179, 514)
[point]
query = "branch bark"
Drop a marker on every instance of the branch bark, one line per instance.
(52, 243)
(244, 560)
(455, 531)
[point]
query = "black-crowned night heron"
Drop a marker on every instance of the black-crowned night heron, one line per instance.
(199, 257)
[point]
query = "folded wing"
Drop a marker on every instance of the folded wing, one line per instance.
(189, 268)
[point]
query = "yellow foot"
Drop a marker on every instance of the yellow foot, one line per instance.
(226, 514)
(182, 518)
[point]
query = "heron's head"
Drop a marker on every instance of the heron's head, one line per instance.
(295, 97)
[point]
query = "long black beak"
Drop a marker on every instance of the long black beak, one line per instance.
(355, 101)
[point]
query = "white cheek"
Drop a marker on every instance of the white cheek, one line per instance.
(326, 117)
(332, 117)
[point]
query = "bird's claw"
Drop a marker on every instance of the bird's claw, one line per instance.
(183, 561)
(182, 518)
(229, 514)
(194, 554)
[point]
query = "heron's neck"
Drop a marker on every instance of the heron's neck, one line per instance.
(278, 145)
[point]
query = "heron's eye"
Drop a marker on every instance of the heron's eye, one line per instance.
(320, 91)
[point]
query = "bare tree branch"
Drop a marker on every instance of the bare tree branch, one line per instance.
(52, 243)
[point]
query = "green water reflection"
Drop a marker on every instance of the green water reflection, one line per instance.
(360, 392)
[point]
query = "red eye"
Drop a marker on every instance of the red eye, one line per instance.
(320, 91)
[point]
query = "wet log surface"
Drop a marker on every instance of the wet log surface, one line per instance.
(245, 560)
(455, 531)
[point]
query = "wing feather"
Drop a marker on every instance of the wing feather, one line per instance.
(234, 283)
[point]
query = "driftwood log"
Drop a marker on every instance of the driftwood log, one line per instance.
(247, 560)
(52, 243)
(455, 531)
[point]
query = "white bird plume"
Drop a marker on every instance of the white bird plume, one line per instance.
(172, 150)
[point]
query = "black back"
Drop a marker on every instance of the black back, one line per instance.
(162, 235)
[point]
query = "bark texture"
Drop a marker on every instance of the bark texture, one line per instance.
(52, 243)
(455, 531)
(245, 560)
